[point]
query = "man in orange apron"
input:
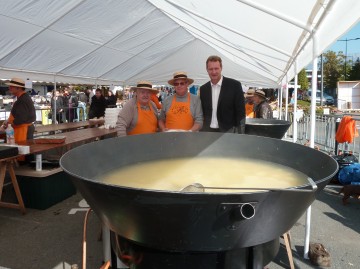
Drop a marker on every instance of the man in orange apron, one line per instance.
(181, 111)
(22, 113)
(249, 103)
(139, 114)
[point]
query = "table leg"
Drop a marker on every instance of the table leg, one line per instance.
(9, 165)
(2, 176)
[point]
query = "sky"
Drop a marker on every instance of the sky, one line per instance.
(353, 46)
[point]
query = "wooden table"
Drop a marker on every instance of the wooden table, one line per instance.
(61, 127)
(8, 164)
(82, 135)
(71, 138)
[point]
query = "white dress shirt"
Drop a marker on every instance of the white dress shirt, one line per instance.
(215, 92)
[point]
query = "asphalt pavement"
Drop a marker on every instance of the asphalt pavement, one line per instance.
(52, 238)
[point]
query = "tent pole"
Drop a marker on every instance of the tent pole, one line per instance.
(53, 110)
(312, 137)
(286, 97)
(295, 103)
(280, 100)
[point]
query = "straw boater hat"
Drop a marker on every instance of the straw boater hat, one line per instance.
(260, 94)
(250, 93)
(180, 75)
(143, 84)
(17, 82)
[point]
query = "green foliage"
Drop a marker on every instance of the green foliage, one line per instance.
(333, 68)
(302, 80)
(306, 107)
(354, 73)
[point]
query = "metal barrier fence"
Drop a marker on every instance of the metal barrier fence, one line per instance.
(42, 114)
(325, 131)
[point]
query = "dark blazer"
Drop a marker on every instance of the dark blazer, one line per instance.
(230, 109)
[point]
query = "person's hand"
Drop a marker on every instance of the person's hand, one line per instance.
(4, 125)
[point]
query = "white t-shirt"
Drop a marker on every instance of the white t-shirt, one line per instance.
(215, 92)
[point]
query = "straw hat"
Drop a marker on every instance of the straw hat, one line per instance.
(143, 84)
(260, 93)
(17, 82)
(180, 75)
(250, 93)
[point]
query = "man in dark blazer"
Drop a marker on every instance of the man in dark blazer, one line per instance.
(222, 101)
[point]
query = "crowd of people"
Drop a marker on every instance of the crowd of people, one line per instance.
(70, 105)
(220, 106)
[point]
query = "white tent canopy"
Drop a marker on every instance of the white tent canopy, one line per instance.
(121, 42)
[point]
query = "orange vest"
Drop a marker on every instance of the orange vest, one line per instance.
(146, 123)
(249, 108)
(179, 115)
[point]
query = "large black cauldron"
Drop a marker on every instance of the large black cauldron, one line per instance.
(267, 127)
(195, 222)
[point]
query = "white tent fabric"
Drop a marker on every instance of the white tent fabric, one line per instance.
(121, 42)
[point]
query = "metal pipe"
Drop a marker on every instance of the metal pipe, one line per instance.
(244, 211)
(312, 138)
(247, 211)
(295, 125)
(287, 97)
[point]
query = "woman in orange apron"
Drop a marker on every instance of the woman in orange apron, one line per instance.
(22, 115)
(181, 111)
(139, 114)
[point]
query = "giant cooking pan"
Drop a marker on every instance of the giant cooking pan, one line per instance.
(267, 127)
(179, 221)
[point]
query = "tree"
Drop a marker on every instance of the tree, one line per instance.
(303, 80)
(354, 73)
(333, 68)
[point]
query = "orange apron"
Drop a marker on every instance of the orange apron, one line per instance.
(21, 130)
(146, 123)
(249, 108)
(179, 115)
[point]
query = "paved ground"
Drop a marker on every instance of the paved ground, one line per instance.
(52, 238)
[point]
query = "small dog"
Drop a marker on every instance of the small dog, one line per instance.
(350, 190)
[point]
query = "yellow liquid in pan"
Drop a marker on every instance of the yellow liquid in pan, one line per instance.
(175, 174)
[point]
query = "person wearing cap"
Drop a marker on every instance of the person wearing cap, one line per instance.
(262, 107)
(22, 115)
(222, 101)
(181, 111)
(249, 103)
(139, 115)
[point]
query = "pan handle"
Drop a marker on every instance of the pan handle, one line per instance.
(312, 184)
